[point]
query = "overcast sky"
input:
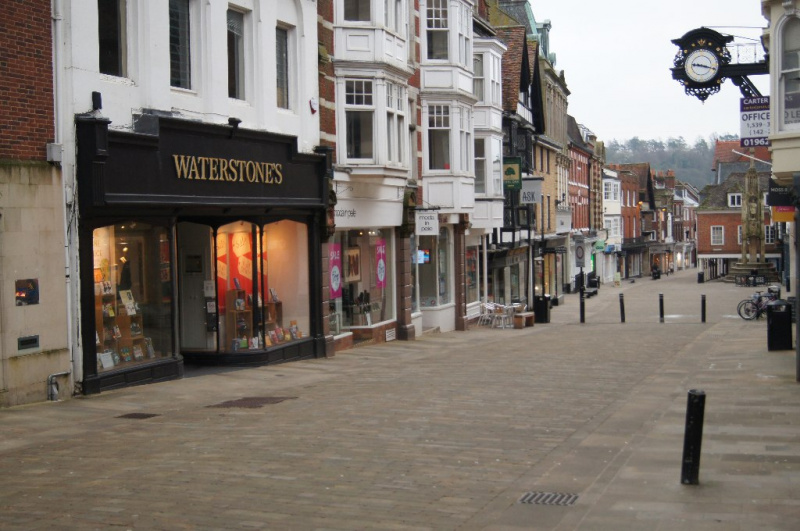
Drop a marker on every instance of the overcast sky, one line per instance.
(616, 56)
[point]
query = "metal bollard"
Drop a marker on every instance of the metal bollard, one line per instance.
(702, 308)
(583, 306)
(621, 308)
(660, 307)
(693, 437)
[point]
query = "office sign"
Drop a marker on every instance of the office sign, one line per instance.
(754, 122)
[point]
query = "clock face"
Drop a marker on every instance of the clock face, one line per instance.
(702, 65)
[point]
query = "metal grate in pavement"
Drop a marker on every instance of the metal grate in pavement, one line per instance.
(253, 402)
(138, 416)
(549, 498)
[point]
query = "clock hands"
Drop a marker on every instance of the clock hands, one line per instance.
(704, 66)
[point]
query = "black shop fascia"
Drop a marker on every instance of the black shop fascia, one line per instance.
(199, 244)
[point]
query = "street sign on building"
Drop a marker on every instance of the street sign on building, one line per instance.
(512, 179)
(531, 192)
(427, 223)
(754, 122)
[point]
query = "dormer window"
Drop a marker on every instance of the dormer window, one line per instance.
(735, 200)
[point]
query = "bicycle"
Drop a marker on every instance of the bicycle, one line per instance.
(755, 306)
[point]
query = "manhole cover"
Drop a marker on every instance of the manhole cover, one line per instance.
(548, 498)
(253, 402)
(137, 416)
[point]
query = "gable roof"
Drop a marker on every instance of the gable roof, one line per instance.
(715, 196)
(724, 153)
(516, 68)
(575, 135)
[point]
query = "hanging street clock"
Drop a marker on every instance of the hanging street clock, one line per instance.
(703, 63)
(700, 61)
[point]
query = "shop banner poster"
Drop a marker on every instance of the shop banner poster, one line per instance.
(380, 273)
(335, 267)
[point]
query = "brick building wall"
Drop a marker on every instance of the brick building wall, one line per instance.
(26, 80)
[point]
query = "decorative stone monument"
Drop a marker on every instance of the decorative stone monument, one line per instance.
(753, 262)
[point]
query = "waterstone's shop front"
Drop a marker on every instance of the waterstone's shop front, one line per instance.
(199, 243)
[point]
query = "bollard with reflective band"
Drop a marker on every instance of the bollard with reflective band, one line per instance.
(693, 437)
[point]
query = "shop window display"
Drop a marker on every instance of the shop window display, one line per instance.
(132, 291)
(472, 278)
(253, 282)
(360, 262)
(433, 258)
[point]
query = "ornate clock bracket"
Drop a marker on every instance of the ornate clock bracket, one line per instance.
(697, 78)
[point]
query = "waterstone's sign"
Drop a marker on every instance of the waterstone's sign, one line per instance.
(228, 170)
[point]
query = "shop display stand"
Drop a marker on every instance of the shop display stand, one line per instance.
(238, 318)
(120, 336)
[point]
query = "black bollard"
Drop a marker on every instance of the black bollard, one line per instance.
(693, 437)
(583, 306)
(702, 308)
(621, 308)
(660, 307)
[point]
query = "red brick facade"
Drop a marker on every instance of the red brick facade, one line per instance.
(26, 71)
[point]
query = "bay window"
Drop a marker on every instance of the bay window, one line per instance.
(357, 10)
(480, 165)
(790, 73)
(477, 76)
(439, 137)
(395, 123)
(359, 118)
(437, 32)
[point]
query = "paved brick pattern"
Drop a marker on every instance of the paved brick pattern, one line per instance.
(446, 432)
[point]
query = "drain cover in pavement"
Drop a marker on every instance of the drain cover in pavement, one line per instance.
(252, 402)
(137, 416)
(548, 498)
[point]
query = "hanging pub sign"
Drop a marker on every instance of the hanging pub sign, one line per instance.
(511, 176)
(427, 223)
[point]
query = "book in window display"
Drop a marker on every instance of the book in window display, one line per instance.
(138, 354)
(151, 353)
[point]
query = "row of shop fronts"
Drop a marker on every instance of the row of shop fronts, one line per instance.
(203, 244)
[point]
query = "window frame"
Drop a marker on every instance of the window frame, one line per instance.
(439, 123)
(236, 60)
(359, 5)
(283, 68)
(718, 239)
(396, 150)
(478, 77)
(735, 200)
(367, 106)
(119, 48)
(480, 165)
(789, 74)
(437, 25)
(183, 72)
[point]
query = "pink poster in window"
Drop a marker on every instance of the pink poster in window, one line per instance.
(335, 268)
(380, 263)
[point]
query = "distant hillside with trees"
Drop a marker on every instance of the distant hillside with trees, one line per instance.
(691, 164)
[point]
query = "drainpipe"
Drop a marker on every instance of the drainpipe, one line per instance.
(58, 90)
(52, 385)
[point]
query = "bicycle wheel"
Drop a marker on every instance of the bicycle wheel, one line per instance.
(748, 311)
(741, 303)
